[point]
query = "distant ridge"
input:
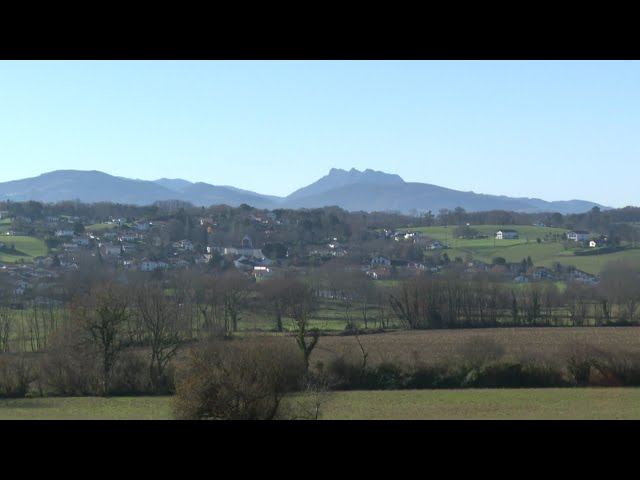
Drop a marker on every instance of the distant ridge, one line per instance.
(353, 190)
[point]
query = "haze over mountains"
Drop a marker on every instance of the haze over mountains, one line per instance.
(352, 190)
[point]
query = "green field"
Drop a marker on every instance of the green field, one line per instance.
(499, 404)
(485, 404)
(27, 248)
(86, 408)
(545, 254)
(100, 226)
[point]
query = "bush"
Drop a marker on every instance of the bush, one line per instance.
(131, 374)
(582, 361)
(16, 376)
(386, 376)
(512, 375)
(68, 368)
(343, 374)
(237, 380)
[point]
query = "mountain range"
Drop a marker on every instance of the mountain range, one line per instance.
(353, 190)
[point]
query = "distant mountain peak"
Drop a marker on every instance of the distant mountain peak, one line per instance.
(337, 178)
(364, 175)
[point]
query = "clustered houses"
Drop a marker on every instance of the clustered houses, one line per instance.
(148, 246)
(406, 236)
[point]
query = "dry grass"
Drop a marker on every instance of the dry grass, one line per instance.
(551, 345)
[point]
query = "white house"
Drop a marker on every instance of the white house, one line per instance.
(506, 234)
(245, 249)
(64, 233)
(578, 235)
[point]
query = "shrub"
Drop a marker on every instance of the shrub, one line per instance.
(237, 380)
(385, 376)
(131, 374)
(16, 376)
(512, 375)
(343, 374)
(69, 368)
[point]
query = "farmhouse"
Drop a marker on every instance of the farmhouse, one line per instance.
(246, 249)
(578, 235)
(380, 260)
(506, 234)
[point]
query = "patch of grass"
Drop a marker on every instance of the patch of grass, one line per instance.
(486, 404)
(545, 254)
(100, 226)
(480, 404)
(26, 248)
(86, 408)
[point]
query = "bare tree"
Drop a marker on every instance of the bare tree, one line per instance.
(273, 291)
(102, 315)
(160, 321)
(5, 328)
(235, 288)
(300, 301)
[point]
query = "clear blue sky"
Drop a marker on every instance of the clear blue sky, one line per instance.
(556, 130)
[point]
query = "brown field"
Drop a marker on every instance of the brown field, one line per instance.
(429, 346)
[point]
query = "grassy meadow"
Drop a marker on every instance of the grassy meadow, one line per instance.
(486, 404)
(26, 248)
(477, 404)
(545, 254)
(86, 408)
(100, 226)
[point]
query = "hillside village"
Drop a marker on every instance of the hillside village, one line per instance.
(259, 244)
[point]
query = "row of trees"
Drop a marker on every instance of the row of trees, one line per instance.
(436, 302)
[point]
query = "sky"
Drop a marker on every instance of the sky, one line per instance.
(556, 130)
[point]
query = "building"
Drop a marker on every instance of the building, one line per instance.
(149, 266)
(380, 260)
(113, 250)
(578, 235)
(506, 234)
(246, 249)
